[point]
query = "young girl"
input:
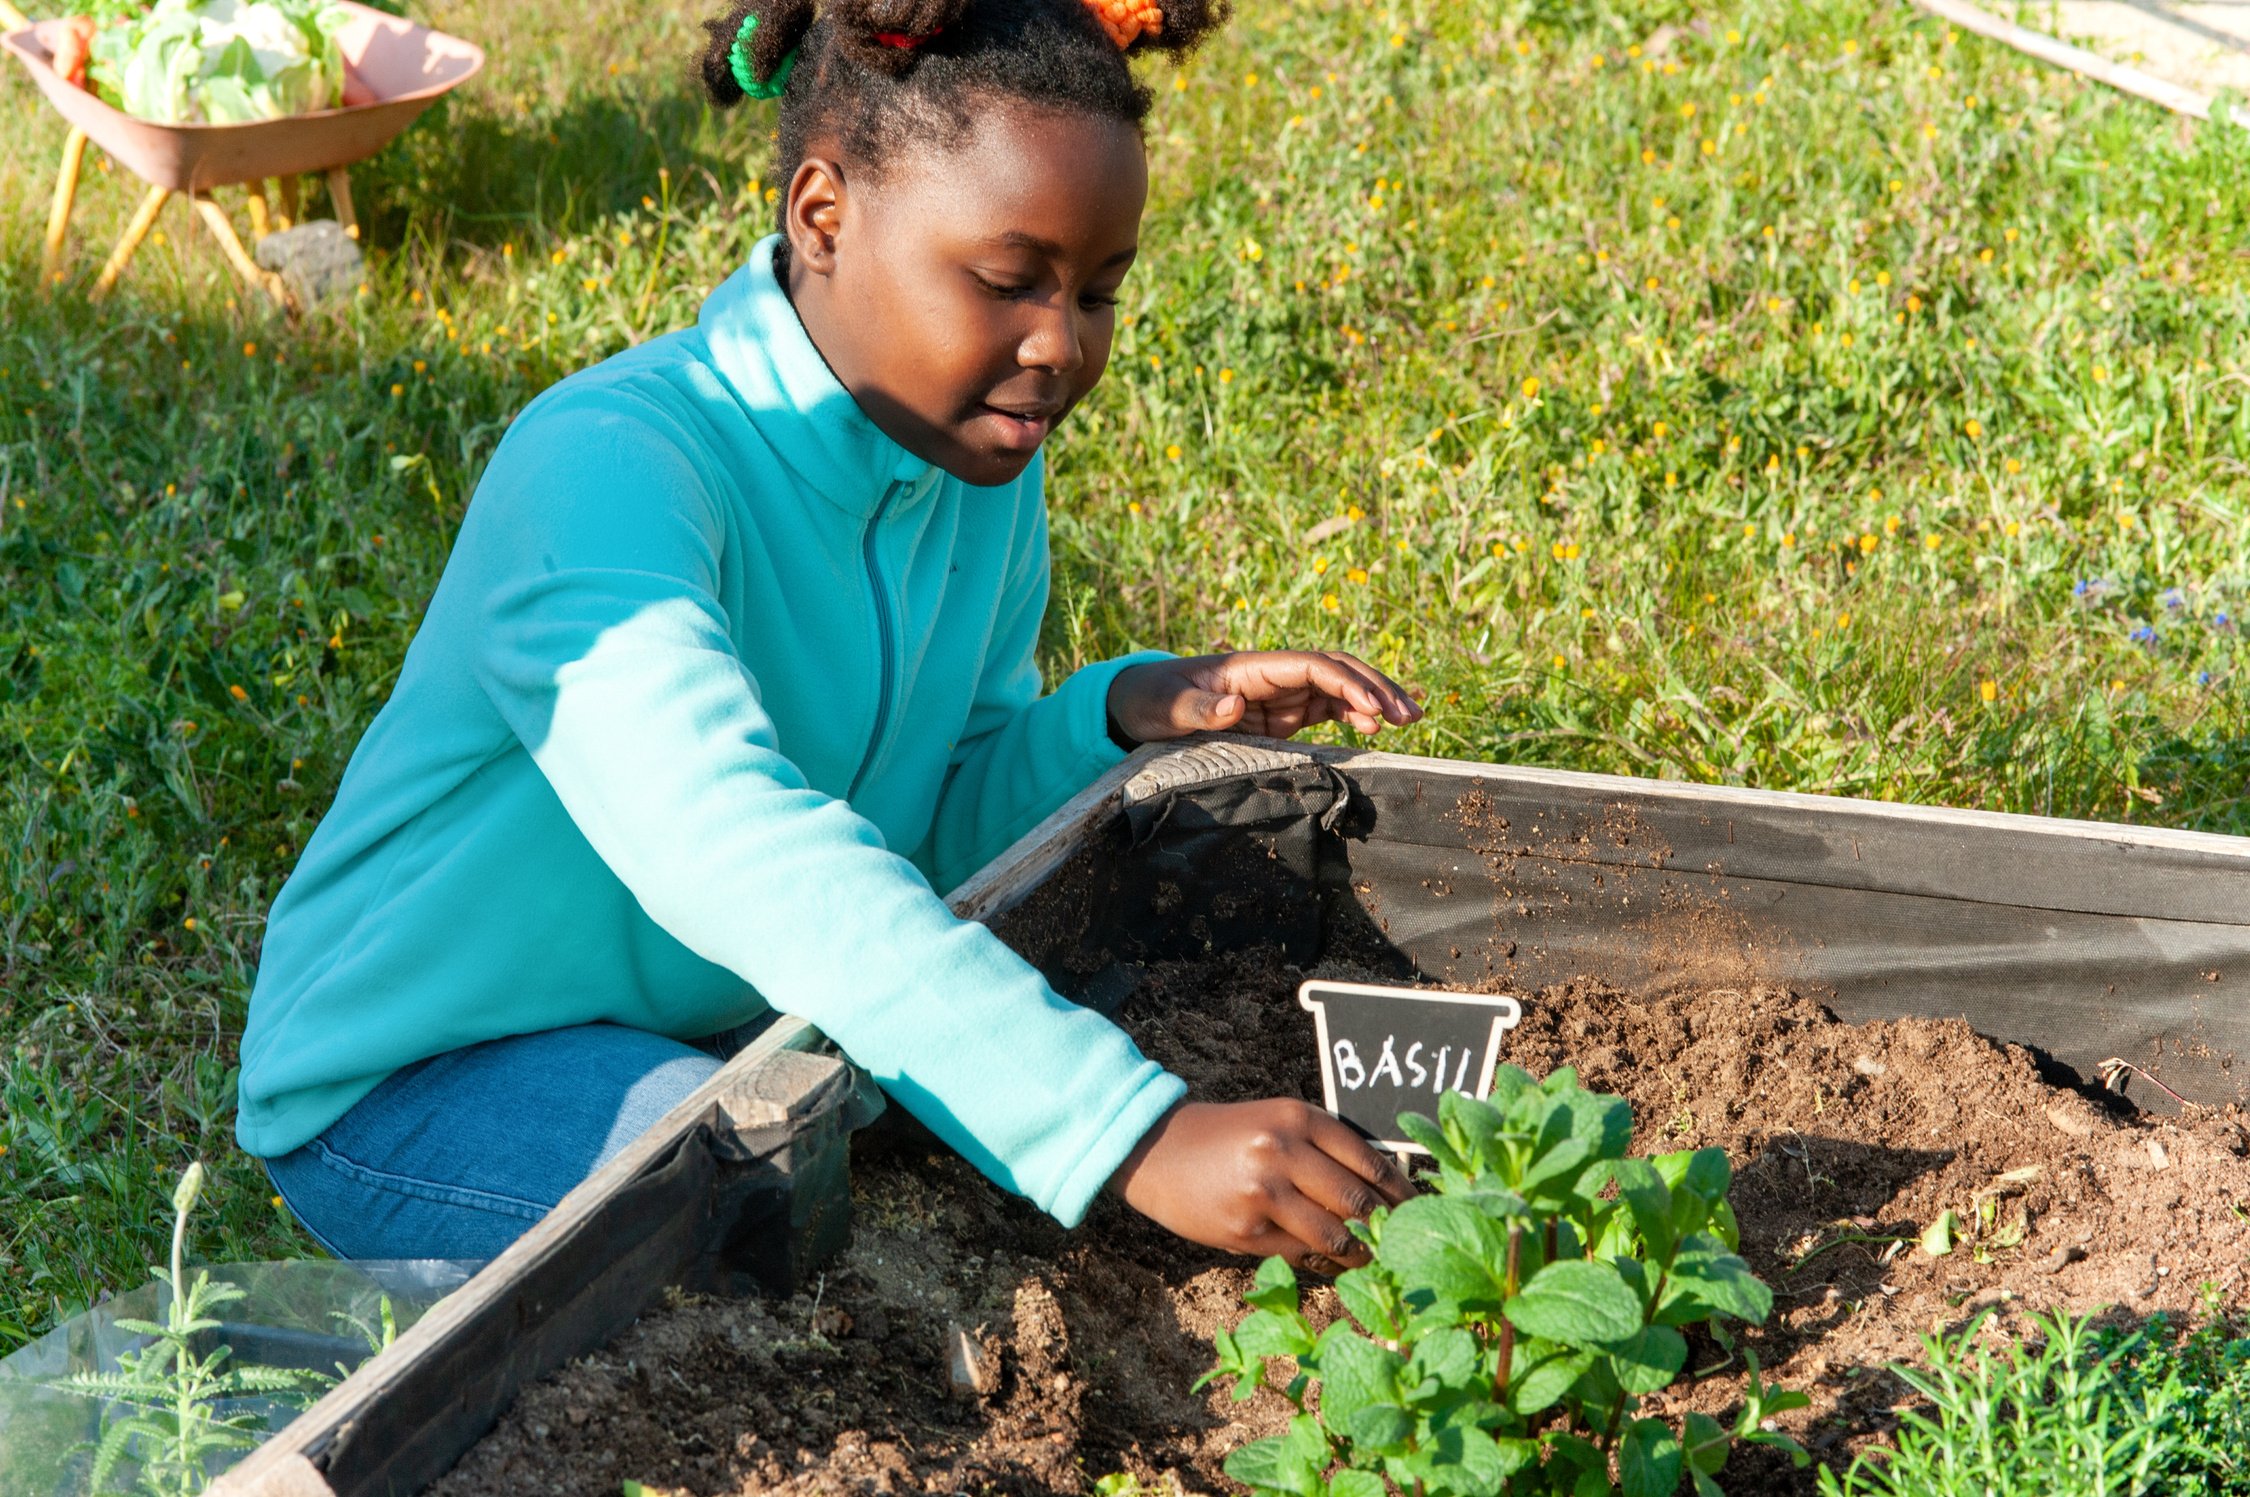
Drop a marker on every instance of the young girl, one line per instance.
(732, 667)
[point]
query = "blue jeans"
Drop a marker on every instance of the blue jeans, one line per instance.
(456, 1156)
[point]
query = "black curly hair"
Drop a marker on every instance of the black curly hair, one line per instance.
(875, 97)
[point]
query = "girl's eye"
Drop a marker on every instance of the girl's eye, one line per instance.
(1093, 299)
(1001, 288)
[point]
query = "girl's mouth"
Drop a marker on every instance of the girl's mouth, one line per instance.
(1018, 431)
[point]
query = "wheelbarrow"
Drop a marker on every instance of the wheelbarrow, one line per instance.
(396, 67)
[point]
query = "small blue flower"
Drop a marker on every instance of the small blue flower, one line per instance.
(2174, 599)
(2143, 634)
(2083, 588)
(2224, 620)
(2203, 678)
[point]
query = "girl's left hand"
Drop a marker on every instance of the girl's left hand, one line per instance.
(1269, 692)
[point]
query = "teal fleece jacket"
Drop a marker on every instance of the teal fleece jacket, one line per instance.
(718, 683)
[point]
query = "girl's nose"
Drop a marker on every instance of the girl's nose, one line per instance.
(1055, 342)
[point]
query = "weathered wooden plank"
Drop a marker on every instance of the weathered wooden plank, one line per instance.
(579, 1276)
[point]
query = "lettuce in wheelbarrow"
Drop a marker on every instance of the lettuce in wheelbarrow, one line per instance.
(220, 62)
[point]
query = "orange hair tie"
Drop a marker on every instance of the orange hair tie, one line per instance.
(1126, 20)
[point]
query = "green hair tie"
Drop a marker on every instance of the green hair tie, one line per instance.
(738, 58)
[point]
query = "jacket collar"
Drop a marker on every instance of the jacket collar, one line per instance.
(762, 351)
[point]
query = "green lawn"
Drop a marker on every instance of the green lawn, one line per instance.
(1798, 396)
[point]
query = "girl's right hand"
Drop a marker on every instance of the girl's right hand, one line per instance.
(1263, 1178)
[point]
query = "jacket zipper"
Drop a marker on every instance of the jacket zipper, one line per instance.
(886, 649)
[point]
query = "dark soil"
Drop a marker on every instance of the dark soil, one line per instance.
(1847, 1140)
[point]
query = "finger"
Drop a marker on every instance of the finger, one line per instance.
(1341, 1192)
(1339, 1142)
(1273, 1242)
(1398, 705)
(1318, 1231)
(1345, 679)
(1355, 688)
(1219, 712)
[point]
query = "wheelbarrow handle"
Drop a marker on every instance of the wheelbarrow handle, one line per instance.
(12, 18)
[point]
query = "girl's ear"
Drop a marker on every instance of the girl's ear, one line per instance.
(814, 214)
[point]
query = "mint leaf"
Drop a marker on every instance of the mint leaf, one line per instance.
(1706, 1281)
(1649, 1459)
(1453, 1255)
(1575, 1300)
(1381, 1427)
(1266, 1333)
(1650, 1360)
(1706, 1444)
(1275, 1287)
(1365, 1293)
(1544, 1372)
(1350, 1483)
(1649, 1201)
(1353, 1371)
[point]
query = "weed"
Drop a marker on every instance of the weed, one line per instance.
(2073, 1410)
(167, 1413)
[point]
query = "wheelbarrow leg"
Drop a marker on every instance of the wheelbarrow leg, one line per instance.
(66, 195)
(289, 207)
(144, 218)
(222, 229)
(261, 222)
(340, 193)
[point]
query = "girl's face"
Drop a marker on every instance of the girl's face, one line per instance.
(966, 296)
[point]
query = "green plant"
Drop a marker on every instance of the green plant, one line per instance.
(167, 1414)
(2073, 1411)
(1510, 1322)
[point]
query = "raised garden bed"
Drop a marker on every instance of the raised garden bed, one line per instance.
(1801, 981)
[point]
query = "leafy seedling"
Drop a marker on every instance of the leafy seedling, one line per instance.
(1510, 1323)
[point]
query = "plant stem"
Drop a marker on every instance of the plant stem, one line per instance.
(1507, 1326)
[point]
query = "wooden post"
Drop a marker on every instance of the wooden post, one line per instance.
(222, 229)
(290, 211)
(340, 193)
(144, 219)
(261, 222)
(2061, 54)
(66, 195)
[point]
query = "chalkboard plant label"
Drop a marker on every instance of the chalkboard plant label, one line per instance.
(1388, 1050)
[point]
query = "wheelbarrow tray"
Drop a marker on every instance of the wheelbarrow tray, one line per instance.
(407, 67)
(2080, 940)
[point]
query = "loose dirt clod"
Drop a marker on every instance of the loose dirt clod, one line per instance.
(1849, 1142)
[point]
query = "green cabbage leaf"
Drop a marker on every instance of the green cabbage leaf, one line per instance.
(221, 62)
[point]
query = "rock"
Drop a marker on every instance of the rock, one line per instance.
(2157, 1158)
(2075, 1116)
(972, 1371)
(1868, 1065)
(2062, 1257)
(318, 260)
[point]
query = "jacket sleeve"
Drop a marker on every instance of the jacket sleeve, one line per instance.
(1021, 754)
(594, 546)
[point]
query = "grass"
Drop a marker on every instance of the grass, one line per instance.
(1790, 395)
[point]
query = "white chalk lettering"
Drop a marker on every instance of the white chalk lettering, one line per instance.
(1438, 1084)
(1388, 1061)
(1419, 1070)
(1461, 1082)
(1350, 1074)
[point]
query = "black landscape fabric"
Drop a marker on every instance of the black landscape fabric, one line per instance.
(2083, 943)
